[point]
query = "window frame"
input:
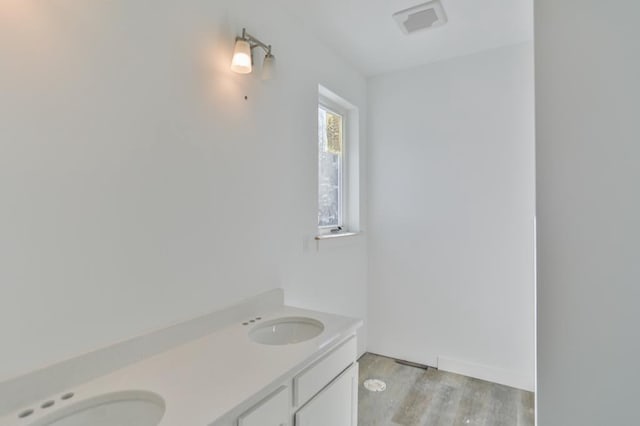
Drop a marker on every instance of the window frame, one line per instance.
(343, 185)
(351, 166)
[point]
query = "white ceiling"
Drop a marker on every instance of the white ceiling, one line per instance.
(365, 34)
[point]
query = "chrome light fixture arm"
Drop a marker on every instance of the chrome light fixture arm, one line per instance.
(254, 42)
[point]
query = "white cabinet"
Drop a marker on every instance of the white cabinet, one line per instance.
(322, 393)
(274, 410)
(335, 405)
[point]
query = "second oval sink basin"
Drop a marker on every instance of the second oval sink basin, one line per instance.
(286, 331)
(132, 408)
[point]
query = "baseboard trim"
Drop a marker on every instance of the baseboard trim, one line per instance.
(488, 373)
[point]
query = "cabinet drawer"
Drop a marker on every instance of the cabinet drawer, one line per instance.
(318, 375)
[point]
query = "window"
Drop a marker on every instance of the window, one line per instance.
(330, 169)
(338, 166)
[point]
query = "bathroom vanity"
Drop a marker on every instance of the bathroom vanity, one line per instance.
(281, 367)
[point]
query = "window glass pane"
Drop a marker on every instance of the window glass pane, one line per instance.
(330, 148)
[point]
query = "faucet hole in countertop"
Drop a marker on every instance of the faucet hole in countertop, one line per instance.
(25, 413)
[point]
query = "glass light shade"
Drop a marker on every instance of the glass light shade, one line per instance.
(269, 67)
(241, 62)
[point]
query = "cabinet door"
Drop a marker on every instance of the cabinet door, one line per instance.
(335, 405)
(271, 411)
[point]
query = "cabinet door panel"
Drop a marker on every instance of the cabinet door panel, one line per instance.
(335, 405)
(272, 411)
(316, 377)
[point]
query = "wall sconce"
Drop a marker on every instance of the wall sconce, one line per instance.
(242, 61)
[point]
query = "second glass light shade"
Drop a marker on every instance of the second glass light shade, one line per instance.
(269, 67)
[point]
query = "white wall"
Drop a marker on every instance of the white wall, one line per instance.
(139, 187)
(451, 215)
(588, 182)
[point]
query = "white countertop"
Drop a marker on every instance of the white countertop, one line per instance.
(203, 380)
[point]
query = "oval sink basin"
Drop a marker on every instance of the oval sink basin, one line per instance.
(286, 331)
(135, 408)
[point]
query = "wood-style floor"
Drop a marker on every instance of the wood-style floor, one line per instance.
(415, 397)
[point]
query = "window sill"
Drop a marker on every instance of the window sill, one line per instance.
(336, 235)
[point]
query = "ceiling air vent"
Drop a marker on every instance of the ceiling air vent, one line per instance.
(421, 17)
